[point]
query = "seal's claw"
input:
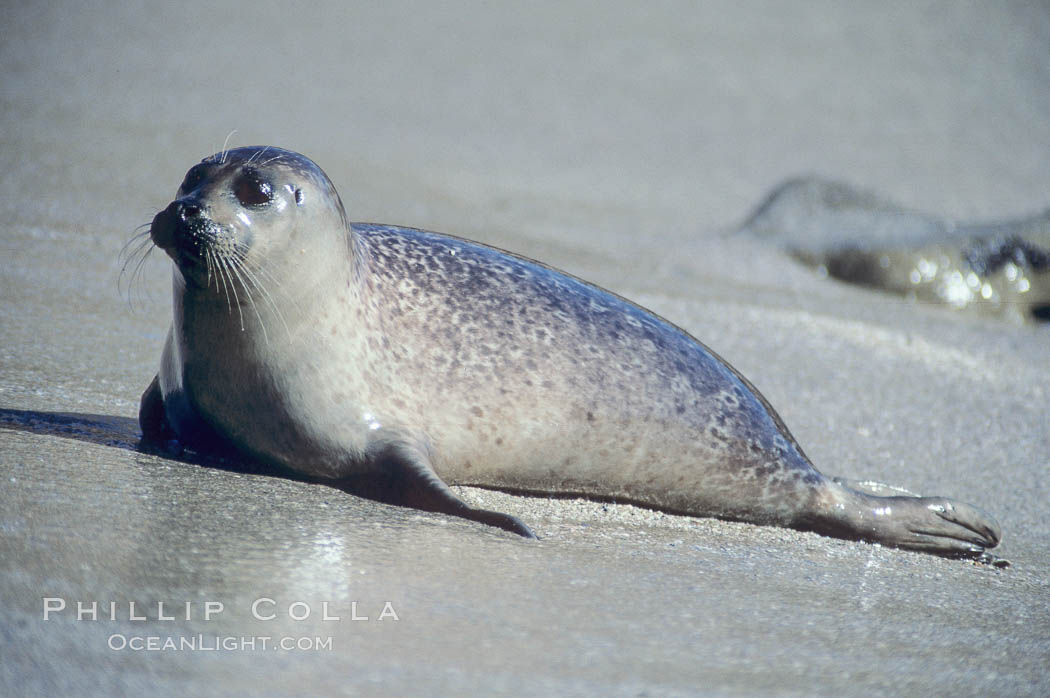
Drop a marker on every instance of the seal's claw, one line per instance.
(931, 524)
(498, 519)
(965, 520)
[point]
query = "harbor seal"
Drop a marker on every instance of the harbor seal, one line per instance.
(996, 268)
(398, 360)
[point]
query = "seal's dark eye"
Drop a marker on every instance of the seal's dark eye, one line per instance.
(251, 190)
(194, 177)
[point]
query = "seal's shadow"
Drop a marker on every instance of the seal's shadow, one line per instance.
(124, 433)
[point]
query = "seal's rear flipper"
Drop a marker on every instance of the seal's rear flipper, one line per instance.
(402, 474)
(929, 524)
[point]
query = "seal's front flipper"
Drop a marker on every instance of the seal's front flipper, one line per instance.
(152, 421)
(405, 476)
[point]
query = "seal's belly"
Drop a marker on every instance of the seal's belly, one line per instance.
(652, 419)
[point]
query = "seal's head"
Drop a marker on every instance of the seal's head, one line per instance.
(238, 211)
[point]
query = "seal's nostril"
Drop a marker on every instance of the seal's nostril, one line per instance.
(184, 211)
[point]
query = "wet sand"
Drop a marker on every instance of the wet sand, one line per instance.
(622, 144)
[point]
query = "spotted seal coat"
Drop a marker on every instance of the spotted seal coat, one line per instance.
(369, 354)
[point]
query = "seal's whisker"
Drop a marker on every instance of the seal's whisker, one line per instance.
(230, 264)
(253, 279)
(262, 274)
(258, 275)
(132, 248)
(136, 250)
(143, 243)
(231, 269)
(215, 262)
(139, 232)
(137, 273)
(229, 275)
(258, 154)
(222, 158)
(235, 266)
(208, 261)
(226, 291)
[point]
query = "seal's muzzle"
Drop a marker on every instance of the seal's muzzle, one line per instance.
(187, 233)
